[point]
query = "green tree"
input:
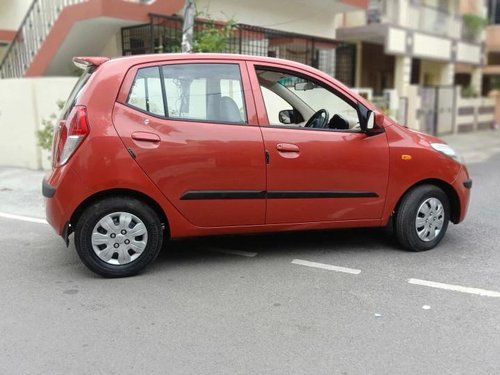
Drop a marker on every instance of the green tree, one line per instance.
(45, 134)
(473, 25)
(211, 36)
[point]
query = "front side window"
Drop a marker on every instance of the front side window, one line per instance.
(298, 102)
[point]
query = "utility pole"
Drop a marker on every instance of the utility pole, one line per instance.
(188, 26)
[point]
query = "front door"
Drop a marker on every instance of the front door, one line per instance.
(321, 167)
(194, 133)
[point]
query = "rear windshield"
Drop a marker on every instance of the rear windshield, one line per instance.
(75, 93)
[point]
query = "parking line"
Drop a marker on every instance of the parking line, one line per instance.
(324, 266)
(23, 218)
(242, 253)
(455, 288)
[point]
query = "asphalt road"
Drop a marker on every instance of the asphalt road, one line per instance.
(249, 305)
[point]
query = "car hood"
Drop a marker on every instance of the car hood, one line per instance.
(423, 138)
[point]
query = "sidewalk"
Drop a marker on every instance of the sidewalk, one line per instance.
(475, 147)
(21, 192)
(21, 189)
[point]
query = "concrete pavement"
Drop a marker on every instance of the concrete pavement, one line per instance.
(475, 147)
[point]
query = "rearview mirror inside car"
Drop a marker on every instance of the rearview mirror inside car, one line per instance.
(304, 86)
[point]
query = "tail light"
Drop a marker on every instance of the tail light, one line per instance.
(69, 134)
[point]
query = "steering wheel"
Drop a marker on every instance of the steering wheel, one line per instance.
(319, 120)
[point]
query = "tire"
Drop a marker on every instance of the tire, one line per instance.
(118, 237)
(422, 218)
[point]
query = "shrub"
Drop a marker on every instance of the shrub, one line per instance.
(45, 134)
(473, 25)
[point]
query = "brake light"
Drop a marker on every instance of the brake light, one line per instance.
(69, 135)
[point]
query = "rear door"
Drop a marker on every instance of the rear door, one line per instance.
(193, 131)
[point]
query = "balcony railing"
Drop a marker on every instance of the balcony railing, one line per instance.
(30, 36)
(434, 21)
(421, 17)
(382, 11)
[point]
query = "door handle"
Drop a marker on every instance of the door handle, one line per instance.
(287, 147)
(145, 137)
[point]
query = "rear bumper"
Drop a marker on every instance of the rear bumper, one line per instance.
(63, 191)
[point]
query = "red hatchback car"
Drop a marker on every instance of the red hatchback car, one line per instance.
(154, 147)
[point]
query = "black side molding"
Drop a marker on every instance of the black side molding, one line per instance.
(253, 194)
(319, 194)
(468, 183)
(223, 194)
(48, 190)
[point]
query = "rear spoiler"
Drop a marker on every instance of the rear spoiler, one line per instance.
(85, 62)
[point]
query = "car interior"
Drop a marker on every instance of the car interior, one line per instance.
(312, 106)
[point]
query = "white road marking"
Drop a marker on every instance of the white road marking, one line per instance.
(456, 288)
(23, 218)
(324, 266)
(242, 253)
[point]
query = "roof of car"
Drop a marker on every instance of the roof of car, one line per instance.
(152, 58)
(138, 59)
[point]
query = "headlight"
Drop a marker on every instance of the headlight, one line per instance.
(447, 150)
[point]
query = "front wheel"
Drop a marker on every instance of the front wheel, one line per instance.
(118, 237)
(422, 218)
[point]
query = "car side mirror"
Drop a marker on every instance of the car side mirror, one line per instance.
(379, 119)
(372, 119)
(286, 116)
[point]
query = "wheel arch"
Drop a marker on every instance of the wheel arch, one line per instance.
(448, 190)
(122, 193)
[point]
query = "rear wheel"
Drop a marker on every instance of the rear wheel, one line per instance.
(118, 237)
(422, 218)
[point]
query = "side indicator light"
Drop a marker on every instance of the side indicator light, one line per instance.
(405, 157)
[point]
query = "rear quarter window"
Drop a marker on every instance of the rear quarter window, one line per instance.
(76, 92)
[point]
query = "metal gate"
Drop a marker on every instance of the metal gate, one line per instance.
(428, 109)
(445, 105)
(436, 112)
(164, 35)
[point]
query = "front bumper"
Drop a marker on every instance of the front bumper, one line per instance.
(48, 191)
(462, 186)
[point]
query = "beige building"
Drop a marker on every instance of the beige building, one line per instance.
(413, 52)
(491, 71)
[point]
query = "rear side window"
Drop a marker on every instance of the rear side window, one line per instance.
(197, 92)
